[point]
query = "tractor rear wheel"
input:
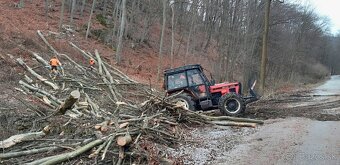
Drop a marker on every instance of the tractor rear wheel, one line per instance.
(186, 100)
(231, 104)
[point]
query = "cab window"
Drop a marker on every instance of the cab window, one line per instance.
(194, 77)
(177, 81)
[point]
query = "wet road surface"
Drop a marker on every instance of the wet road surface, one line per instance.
(294, 140)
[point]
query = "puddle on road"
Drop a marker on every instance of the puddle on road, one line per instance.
(330, 87)
(327, 92)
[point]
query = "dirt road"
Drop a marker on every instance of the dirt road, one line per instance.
(295, 140)
(300, 127)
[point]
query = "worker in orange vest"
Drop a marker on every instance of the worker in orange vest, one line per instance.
(54, 63)
(92, 62)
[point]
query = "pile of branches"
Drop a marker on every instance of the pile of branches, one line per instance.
(100, 115)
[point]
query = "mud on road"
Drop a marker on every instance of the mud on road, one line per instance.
(292, 125)
(316, 107)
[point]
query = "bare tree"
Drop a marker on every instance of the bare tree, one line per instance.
(47, 4)
(121, 32)
(89, 22)
(61, 14)
(264, 47)
(82, 7)
(172, 34)
(160, 55)
(73, 8)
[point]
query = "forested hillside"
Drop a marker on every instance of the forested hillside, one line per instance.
(116, 112)
(225, 36)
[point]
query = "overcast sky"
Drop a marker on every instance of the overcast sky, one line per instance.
(329, 8)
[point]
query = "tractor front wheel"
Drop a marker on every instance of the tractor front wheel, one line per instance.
(185, 100)
(231, 104)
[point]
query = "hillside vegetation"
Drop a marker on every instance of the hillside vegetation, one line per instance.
(224, 36)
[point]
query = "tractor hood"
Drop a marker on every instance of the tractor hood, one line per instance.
(225, 87)
(224, 84)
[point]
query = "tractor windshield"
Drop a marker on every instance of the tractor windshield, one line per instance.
(177, 81)
(189, 78)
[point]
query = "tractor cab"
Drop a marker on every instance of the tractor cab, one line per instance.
(188, 78)
(198, 93)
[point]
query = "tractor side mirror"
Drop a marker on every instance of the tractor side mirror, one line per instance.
(212, 82)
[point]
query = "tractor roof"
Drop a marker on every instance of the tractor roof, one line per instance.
(182, 69)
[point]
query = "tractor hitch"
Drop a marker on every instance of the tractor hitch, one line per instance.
(253, 96)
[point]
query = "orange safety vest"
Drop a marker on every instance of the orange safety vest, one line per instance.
(91, 62)
(201, 88)
(54, 62)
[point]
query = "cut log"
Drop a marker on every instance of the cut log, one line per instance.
(221, 118)
(104, 128)
(166, 161)
(101, 147)
(67, 156)
(238, 124)
(28, 152)
(124, 140)
(73, 98)
(123, 125)
(11, 141)
(39, 58)
(97, 127)
(28, 79)
(108, 76)
(100, 69)
(93, 105)
(39, 77)
(100, 66)
(35, 89)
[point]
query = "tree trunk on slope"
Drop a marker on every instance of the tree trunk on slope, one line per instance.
(264, 47)
(82, 7)
(160, 56)
(73, 7)
(121, 32)
(89, 22)
(61, 14)
(172, 35)
(47, 3)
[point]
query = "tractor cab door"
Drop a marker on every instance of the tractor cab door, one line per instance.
(197, 84)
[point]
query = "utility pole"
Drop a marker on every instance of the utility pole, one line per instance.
(264, 47)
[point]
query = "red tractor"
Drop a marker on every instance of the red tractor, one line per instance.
(198, 93)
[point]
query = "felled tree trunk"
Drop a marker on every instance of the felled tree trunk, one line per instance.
(228, 118)
(11, 141)
(67, 156)
(39, 91)
(74, 96)
(46, 42)
(23, 64)
(28, 152)
(39, 58)
(238, 124)
(100, 69)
